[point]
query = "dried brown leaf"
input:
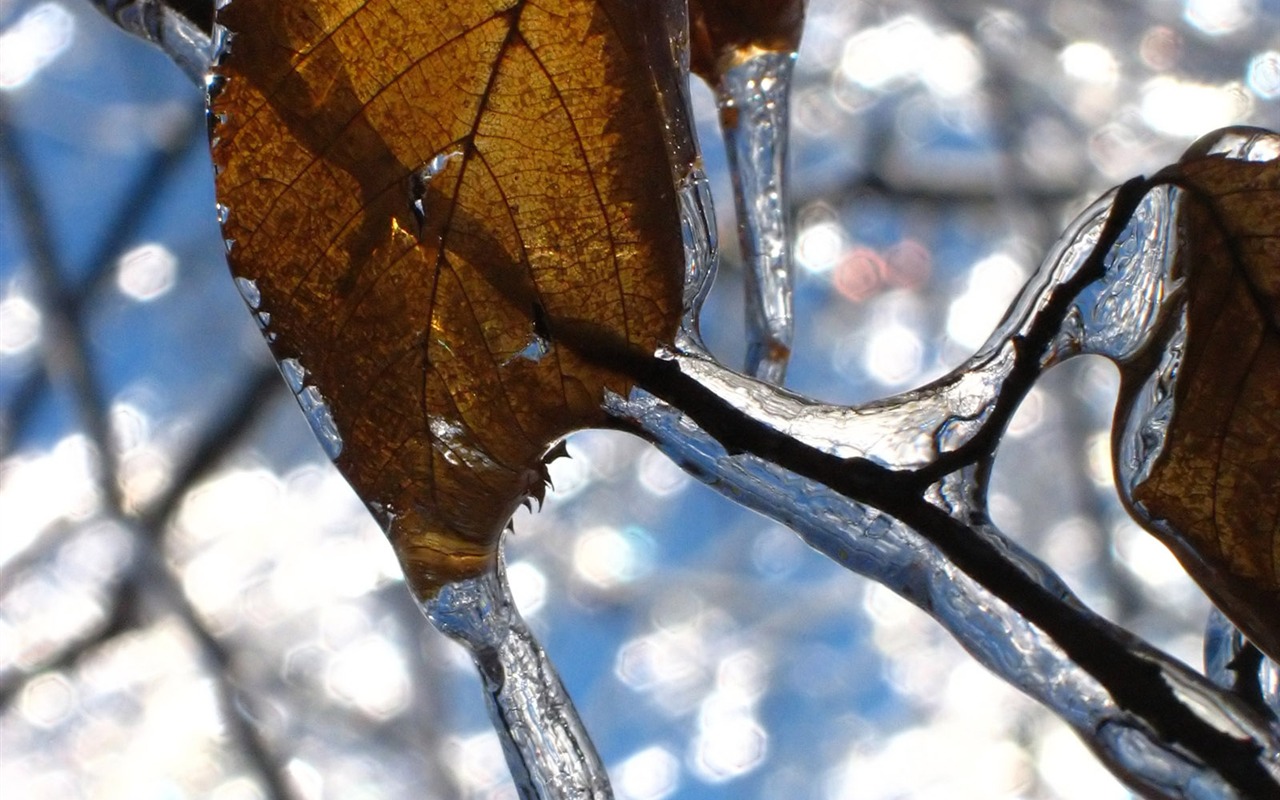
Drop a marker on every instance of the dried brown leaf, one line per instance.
(444, 206)
(1216, 483)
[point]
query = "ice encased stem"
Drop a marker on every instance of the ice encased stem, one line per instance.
(913, 429)
(874, 544)
(546, 745)
(753, 97)
(1114, 311)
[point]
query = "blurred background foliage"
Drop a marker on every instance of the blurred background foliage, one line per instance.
(193, 604)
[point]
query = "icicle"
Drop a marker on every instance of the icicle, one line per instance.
(753, 113)
(545, 743)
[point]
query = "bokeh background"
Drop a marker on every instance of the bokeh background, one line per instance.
(194, 605)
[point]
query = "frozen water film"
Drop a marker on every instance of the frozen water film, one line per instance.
(698, 233)
(665, 30)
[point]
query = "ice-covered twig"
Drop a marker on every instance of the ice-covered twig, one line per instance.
(933, 430)
(547, 748)
(894, 490)
(869, 542)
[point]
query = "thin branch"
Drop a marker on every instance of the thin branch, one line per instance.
(122, 619)
(65, 346)
(123, 226)
(67, 354)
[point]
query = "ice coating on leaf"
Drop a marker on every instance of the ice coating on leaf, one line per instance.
(701, 249)
(1241, 143)
(450, 441)
(665, 37)
(753, 113)
(1116, 315)
(536, 350)
(249, 293)
(421, 178)
(546, 746)
(294, 373)
(319, 415)
(1141, 436)
(1197, 443)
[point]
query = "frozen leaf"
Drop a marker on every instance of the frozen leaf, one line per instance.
(1212, 489)
(449, 216)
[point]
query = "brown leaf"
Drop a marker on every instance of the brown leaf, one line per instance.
(1216, 483)
(724, 32)
(443, 206)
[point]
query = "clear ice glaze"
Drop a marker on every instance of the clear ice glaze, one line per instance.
(547, 748)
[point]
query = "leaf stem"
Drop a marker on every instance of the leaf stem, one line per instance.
(546, 745)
